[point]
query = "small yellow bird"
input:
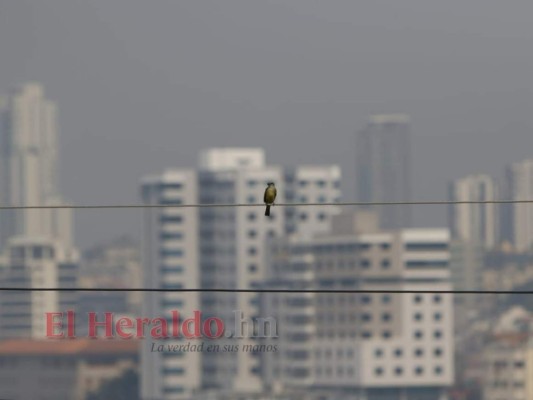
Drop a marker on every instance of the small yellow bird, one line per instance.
(270, 196)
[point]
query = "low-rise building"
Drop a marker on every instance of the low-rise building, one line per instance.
(62, 369)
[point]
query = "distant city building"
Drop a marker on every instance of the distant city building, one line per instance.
(519, 186)
(474, 223)
(507, 271)
(114, 264)
(171, 260)
(28, 167)
(62, 369)
(383, 167)
(466, 271)
(311, 184)
(508, 358)
(220, 247)
(374, 345)
(35, 263)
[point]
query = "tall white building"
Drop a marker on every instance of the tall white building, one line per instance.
(28, 167)
(474, 223)
(383, 169)
(170, 261)
(520, 187)
(35, 263)
(228, 244)
(371, 345)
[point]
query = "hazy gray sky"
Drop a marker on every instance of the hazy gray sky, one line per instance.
(143, 85)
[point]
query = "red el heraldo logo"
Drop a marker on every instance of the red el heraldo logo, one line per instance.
(62, 325)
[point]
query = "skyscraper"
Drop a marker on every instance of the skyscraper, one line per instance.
(36, 243)
(519, 186)
(170, 261)
(474, 223)
(383, 170)
(28, 166)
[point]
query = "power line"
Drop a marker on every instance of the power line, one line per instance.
(330, 291)
(214, 205)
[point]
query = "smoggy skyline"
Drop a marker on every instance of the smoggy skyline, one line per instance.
(144, 86)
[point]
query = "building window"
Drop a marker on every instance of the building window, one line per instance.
(418, 317)
(252, 216)
(171, 218)
(438, 370)
(426, 246)
(437, 316)
(386, 334)
(252, 251)
(385, 264)
(437, 298)
(419, 370)
(386, 317)
(252, 268)
(418, 335)
(437, 334)
(398, 352)
(385, 299)
(398, 370)
(365, 263)
(378, 353)
(378, 371)
(419, 352)
(417, 299)
(38, 252)
(366, 317)
(417, 264)
(437, 352)
(252, 233)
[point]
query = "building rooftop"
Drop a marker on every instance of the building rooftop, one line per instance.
(389, 119)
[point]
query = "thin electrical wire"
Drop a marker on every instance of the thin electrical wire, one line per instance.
(330, 291)
(339, 204)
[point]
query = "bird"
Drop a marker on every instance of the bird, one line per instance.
(270, 196)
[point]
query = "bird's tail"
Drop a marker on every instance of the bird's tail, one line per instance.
(267, 211)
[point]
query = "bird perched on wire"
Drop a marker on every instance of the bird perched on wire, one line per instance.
(270, 196)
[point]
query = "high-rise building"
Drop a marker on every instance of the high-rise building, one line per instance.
(170, 258)
(35, 263)
(519, 186)
(28, 167)
(372, 345)
(383, 170)
(221, 247)
(474, 223)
